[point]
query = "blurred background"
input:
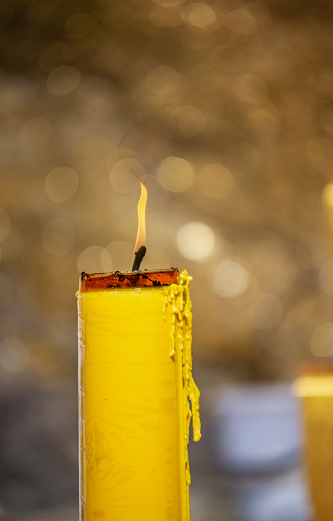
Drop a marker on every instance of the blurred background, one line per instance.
(225, 111)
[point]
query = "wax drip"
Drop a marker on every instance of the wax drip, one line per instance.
(178, 299)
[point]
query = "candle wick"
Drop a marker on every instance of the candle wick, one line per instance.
(138, 256)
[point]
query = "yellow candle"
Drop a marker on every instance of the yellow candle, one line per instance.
(135, 383)
(315, 389)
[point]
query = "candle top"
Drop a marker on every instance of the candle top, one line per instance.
(122, 279)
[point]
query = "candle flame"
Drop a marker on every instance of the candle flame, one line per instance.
(141, 235)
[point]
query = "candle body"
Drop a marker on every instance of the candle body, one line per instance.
(315, 389)
(134, 382)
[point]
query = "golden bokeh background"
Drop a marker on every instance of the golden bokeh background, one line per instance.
(225, 111)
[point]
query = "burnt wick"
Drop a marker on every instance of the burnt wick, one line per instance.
(138, 256)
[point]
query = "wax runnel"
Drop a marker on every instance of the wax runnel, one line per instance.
(178, 298)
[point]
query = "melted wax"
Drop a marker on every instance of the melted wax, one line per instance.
(178, 298)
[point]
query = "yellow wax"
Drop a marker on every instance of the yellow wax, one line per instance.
(135, 371)
(316, 393)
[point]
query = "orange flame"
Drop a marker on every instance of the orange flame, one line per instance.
(141, 235)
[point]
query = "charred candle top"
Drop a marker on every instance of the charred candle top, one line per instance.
(119, 279)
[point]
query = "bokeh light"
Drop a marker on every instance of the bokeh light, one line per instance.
(240, 21)
(162, 81)
(63, 80)
(195, 241)
(175, 174)
(61, 184)
(230, 279)
(93, 260)
(251, 88)
(199, 14)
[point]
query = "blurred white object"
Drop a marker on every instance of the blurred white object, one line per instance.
(279, 497)
(257, 428)
(257, 443)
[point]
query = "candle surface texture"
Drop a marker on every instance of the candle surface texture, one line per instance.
(135, 390)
